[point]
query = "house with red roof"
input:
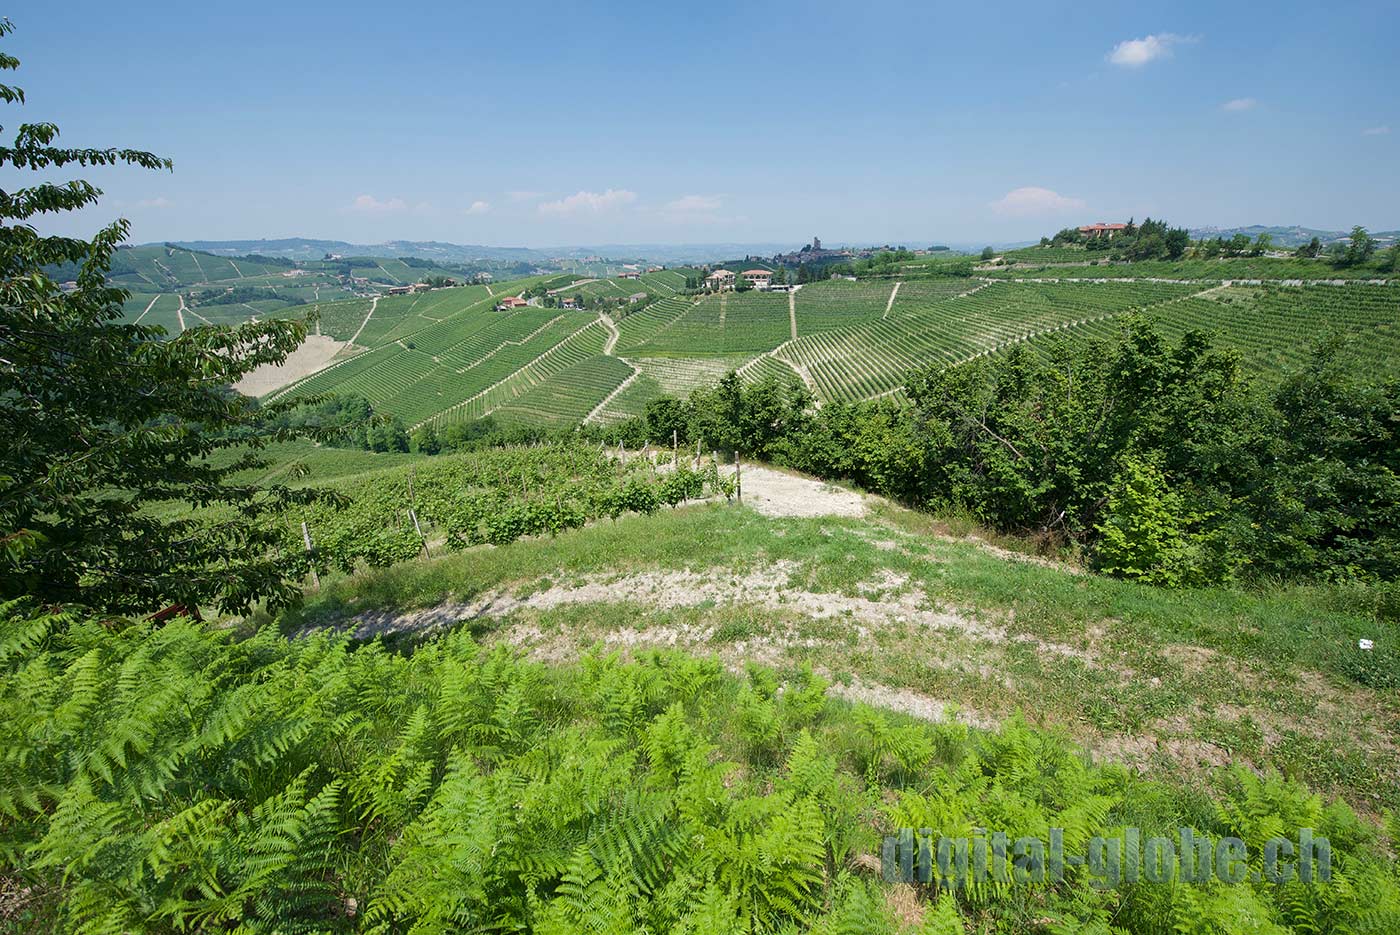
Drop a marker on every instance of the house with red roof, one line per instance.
(1101, 229)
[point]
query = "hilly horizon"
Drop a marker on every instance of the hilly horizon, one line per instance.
(305, 248)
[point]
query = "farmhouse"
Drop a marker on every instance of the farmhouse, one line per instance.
(510, 302)
(400, 290)
(720, 279)
(636, 297)
(759, 278)
(570, 302)
(1101, 230)
(629, 274)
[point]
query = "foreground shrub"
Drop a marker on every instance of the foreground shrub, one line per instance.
(173, 779)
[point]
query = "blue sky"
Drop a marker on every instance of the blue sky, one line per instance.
(547, 124)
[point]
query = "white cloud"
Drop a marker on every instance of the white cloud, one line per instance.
(1240, 103)
(368, 204)
(1135, 53)
(479, 207)
(592, 202)
(1375, 131)
(694, 204)
(160, 201)
(1030, 200)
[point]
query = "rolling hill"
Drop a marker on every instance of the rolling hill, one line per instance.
(450, 356)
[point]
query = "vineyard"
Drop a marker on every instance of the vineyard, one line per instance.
(1275, 328)
(448, 356)
(868, 360)
(822, 306)
(638, 329)
(565, 399)
(496, 496)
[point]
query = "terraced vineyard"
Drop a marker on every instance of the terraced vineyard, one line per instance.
(726, 323)
(822, 306)
(631, 401)
(565, 398)
(868, 360)
(448, 356)
(641, 328)
(678, 376)
(1275, 328)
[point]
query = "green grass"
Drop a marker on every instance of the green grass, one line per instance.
(1129, 670)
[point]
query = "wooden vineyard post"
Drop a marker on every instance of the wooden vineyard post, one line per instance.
(419, 529)
(675, 450)
(310, 553)
(738, 480)
(697, 454)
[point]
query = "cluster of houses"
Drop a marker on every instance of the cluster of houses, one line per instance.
(637, 273)
(722, 280)
(416, 287)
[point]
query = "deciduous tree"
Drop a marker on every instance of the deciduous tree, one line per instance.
(105, 419)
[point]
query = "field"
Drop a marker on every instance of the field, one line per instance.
(925, 329)
(223, 290)
(1275, 328)
(446, 356)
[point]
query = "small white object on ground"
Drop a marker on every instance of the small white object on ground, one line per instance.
(1366, 644)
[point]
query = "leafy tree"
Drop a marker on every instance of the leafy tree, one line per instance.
(988, 253)
(104, 419)
(1360, 247)
(426, 440)
(664, 416)
(1309, 250)
(1177, 240)
(1147, 533)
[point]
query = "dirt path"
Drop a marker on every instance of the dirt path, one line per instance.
(777, 493)
(373, 303)
(180, 313)
(613, 333)
(890, 304)
(314, 353)
(593, 414)
(792, 314)
(572, 285)
(488, 290)
(148, 308)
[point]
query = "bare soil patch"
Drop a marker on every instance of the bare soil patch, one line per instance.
(777, 493)
(315, 352)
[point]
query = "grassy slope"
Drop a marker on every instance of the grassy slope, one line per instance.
(1173, 681)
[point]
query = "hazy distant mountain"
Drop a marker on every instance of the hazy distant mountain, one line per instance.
(304, 248)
